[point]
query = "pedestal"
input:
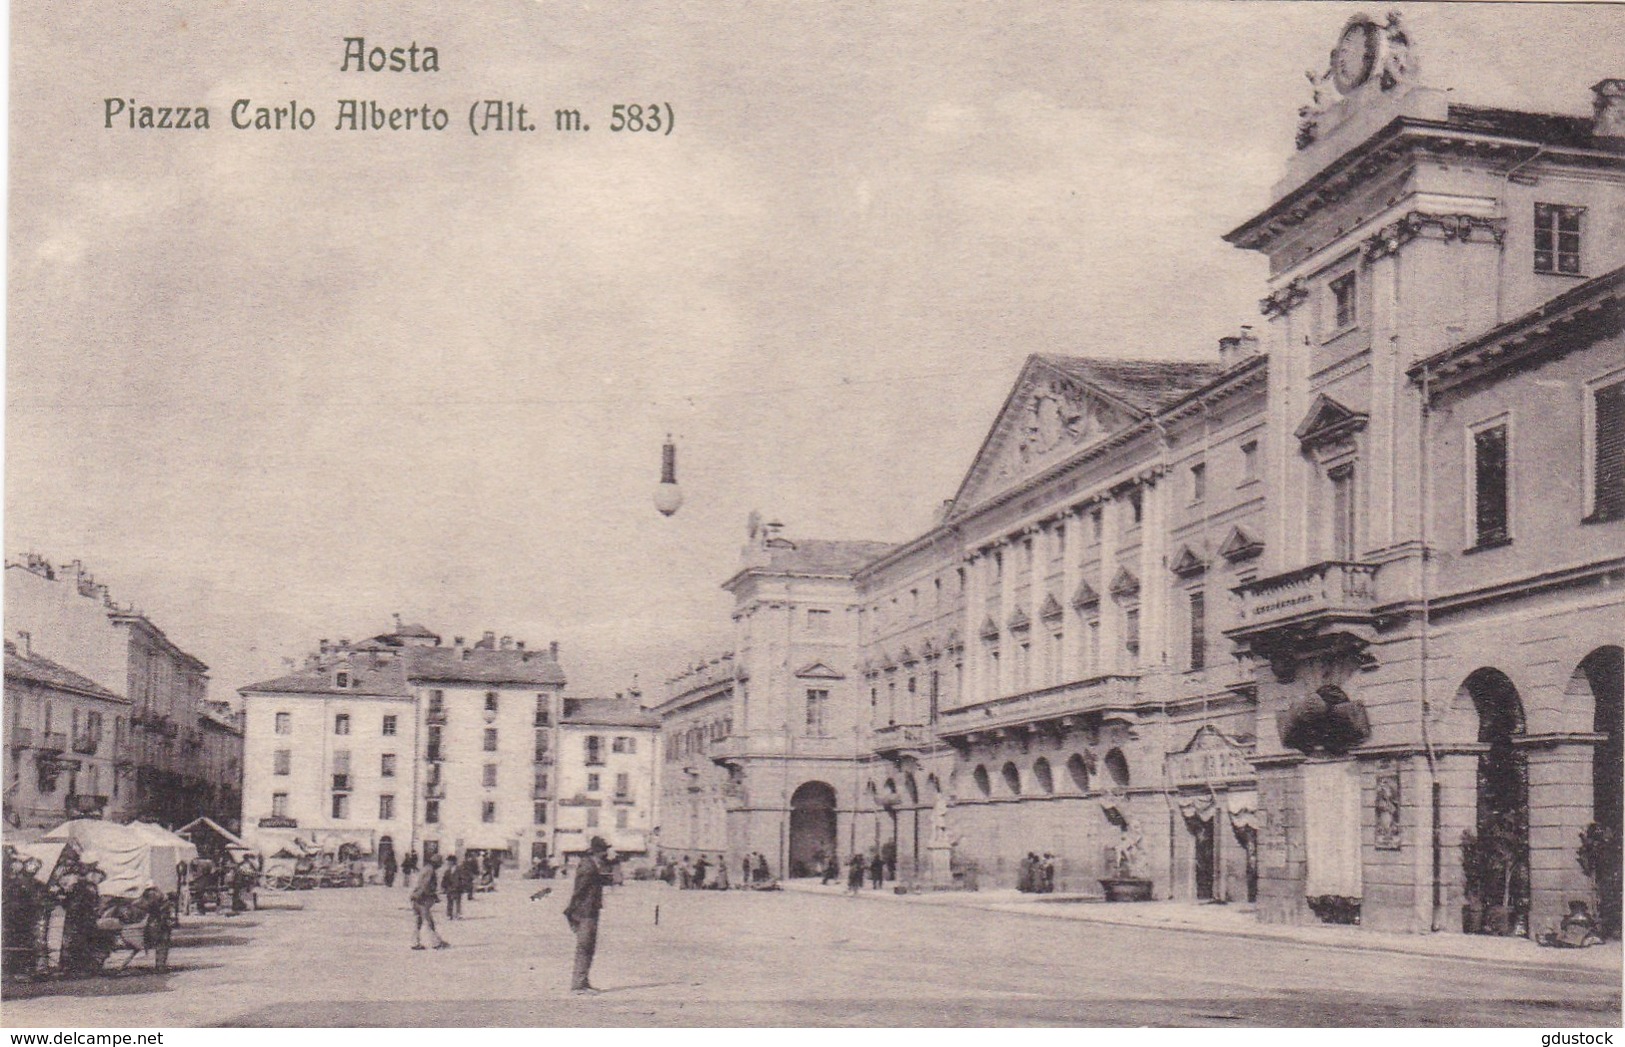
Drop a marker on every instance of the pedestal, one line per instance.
(939, 866)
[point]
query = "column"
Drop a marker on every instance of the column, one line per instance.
(1111, 635)
(970, 627)
(1038, 633)
(1071, 569)
(1154, 575)
(1007, 604)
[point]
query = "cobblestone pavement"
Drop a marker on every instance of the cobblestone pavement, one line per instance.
(341, 958)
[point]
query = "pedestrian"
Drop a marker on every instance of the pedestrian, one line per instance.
(722, 873)
(762, 875)
(854, 874)
(877, 871)
(685, 875)
(832, 869)
(1049, 873)
(701, 867)
(389, 868)
(409, 867)
(158, 928)
(467, 876)
(424, 895)
(745, 868)
(451, 882)
(80, 909)
(586, 902)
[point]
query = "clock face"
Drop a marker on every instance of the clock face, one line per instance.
(1354, 56)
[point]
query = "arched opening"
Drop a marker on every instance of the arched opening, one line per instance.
(1601, 852)
(979, 776)
(1078, 770)
(812, 828)
(1012, 779)
(1043, 777)
(1117, 769)
(1496, 863)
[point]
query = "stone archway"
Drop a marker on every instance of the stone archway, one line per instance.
(812, 827)
(1499, 875)
(1602, 674)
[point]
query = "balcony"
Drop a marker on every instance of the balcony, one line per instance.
(434, 791)
(777, 745)
(543, 757)
(1299, 613)
(539, 791)
(86, 743)
(435, 716)
(1100, 695)
(897, 738)
(341, 783)
(434, 754)
(53, 742)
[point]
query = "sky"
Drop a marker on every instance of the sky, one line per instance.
(274, 387)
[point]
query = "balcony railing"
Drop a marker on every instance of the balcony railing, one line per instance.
(434, 754)
(53, 741)
(543, 756)
(434, 791)
(900, 737)
(539, 792)
(1336, 589)
(1098, 694)
(435, 716)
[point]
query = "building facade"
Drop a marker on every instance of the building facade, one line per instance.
(696, 712)
(69, 618)
(64, 745)
(1315, 622)
(607, 754)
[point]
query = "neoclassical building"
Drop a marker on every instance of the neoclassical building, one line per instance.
(1313, 622)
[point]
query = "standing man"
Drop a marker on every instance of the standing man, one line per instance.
(389, 868)
(586, 901)
(452, 884)
(424, 895)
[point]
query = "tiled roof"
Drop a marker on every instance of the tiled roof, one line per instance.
(416, 629)
(40, 670)
(821, 556)
(1146, 385)
(366, 679)
(1551, 128)
(603, 712)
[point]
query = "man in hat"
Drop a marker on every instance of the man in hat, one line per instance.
(586, 900)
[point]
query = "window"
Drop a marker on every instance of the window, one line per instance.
(1342, 479)
(595, 750)
(874, 697)
(1198, 630)
(998, 565)
(489, 779)
(390, 723)
(1092, 646)
(1249, 461)
(1131, 631)
(935, 695)
(433, 746)
(620, 818)
(279, 805)
(386, 808)
(1344, 311)
(281, 761)
(541, 711)
(1557, 239)
(386, 765)
(541, 745)
(341, 680)
(284, 723)
(817, 712)
(490, 701)
(592, 783)
(1136, 506)
(490, 739)
(1198, 481)
(341, 723)
(437, 699)
(488, 811)
(623, 786)
(1489, 485)
(592, 817)
(341, 806)
(539, 813)
(1607, 458)
(431, 812)
(624, 744)
(1097, 523)
(1060, 540)
(817, 621)
(540, 781)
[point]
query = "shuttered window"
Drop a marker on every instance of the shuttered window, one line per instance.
(1490, 486)
(1557, 239)
(1608, 466)
(1198, 630)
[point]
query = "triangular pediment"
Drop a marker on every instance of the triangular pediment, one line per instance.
(1019, 619)
(989, 630)
(1049, 416)
(1085, 596)
(952, 643)
(1187, 563)
(886, 661)
(1328, 421)
(818, 671)
(1125, 584)
(928, 649)
(906, 657)
(1239, 546)
(1051, 608)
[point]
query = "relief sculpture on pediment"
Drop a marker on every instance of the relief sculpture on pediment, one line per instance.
(1055, 419)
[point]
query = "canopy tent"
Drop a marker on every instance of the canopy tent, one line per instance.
(47, 851)
(214, 837)
(131, 856)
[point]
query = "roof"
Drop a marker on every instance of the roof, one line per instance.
(416, 629)
(385, 679)
(37, 669)
(603, 712)
(448, 665)
(820, 555)
(1551, 128)
(1148, 386)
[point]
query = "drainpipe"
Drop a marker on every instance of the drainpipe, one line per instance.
(1436, 884)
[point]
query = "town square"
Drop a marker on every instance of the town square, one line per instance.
(1007, 514)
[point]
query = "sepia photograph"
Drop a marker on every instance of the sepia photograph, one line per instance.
(861, 515)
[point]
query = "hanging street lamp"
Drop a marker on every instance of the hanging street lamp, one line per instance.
(668, 496)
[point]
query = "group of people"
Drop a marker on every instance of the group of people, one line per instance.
(93, 928)
(205, 880)
(477, 868)
(856, 867)
(706, 873)
(1036, 874)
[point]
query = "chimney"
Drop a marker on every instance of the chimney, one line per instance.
(27, 644)
(324, 646)
(506, 643)
(1237, 347)
(1608, 113)
(519, 645)
(457, 647)
(488, 642)
(397, 617)
(553, 650)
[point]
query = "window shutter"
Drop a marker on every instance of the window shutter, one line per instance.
(1490, 476)
(1609, 496)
